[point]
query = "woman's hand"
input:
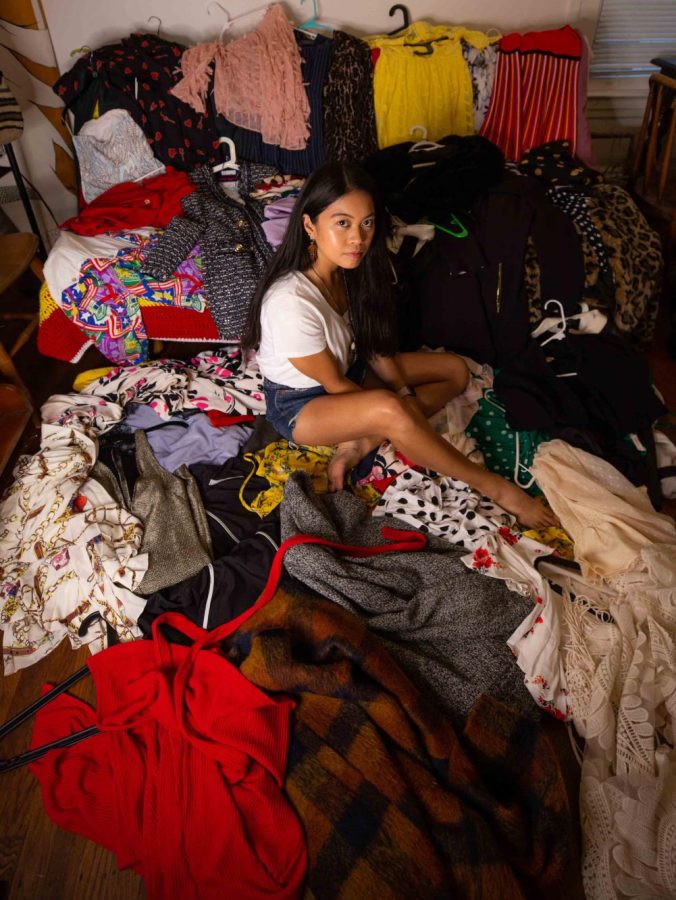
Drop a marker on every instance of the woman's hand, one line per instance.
(346, 456)
(388, 370)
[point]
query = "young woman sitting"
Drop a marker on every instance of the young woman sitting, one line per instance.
(323, 320)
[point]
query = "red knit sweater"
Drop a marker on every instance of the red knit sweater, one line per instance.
(184, 782)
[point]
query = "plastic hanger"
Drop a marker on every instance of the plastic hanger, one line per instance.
(158, 171)
(556, 325)
(231, 19)
(78, 50)
(462, 232)
(426, 145)
(423, 143)
(426, 45)
(228, 21)
(28, 756)
(314, 21)
(422, 146)
(231, 164)
(399, 7)
(159, 23)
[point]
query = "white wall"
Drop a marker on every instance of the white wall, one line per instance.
(75, 23)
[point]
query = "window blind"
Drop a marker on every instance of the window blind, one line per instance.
(629, 34)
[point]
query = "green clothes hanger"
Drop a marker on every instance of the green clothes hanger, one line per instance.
(461, 232)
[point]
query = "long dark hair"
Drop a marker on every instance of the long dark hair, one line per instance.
(369, 287)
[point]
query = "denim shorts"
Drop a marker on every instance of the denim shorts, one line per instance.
(283, 403)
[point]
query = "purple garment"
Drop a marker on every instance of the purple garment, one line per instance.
(190, 440)
(277, 218)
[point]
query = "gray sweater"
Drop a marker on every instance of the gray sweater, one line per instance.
(445, 625)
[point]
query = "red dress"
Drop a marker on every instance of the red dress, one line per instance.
(184, 782)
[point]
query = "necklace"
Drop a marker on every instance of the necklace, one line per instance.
(331, 299)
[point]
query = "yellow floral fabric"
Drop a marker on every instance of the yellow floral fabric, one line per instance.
(433, 90)
(278, 460)
(84, 379)
(553, 537)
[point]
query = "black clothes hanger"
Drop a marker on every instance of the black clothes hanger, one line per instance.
(427, 45)
(399, 7)
(29, 756)
(560, 561)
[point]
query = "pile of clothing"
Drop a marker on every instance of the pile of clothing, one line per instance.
(152, 117)
(377, 643)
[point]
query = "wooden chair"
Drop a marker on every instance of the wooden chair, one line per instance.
(652, 177)
(18, 252)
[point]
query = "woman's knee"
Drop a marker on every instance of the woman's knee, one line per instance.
(464, 375)
(454, 370)
(393, 412)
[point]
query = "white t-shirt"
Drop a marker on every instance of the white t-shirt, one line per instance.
(296, 320)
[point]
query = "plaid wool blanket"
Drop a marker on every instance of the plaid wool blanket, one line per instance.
(396, 803)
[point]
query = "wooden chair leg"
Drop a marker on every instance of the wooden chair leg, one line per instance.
(666, 150)
(25, 335)
(32, 318)
(651, 153)
(640, 140)
(36, 268)
(9, 370)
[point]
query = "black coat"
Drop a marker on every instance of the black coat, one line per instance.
(467, 294)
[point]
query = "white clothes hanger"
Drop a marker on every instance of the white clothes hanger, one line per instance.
(423, 144)
(231, 165)
(421, 128)
(558, 328)
(158, 171)
(556, 325)
(228, 21)
(231, 19)
(592, 321)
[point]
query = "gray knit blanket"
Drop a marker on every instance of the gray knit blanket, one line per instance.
(445, 625)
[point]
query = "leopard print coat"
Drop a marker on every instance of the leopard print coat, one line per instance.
(635, 255)
(629, 294)
(349, 114)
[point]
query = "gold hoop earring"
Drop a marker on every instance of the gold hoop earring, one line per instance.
(312, 250)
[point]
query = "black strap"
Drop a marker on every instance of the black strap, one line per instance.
(28, 756)
(30, 710)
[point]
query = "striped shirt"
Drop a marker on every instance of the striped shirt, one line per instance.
(535, 94)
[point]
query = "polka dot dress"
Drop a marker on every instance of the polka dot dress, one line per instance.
(444, 507)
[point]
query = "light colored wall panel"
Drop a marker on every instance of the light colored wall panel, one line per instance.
(74, 23)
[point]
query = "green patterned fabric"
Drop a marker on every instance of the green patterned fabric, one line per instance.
(507, 452)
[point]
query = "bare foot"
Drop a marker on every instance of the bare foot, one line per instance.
(347, 455)
(530, 511)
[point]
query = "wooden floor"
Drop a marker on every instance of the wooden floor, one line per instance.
(38, 861)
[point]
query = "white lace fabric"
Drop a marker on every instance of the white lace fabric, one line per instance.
(618, 647)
